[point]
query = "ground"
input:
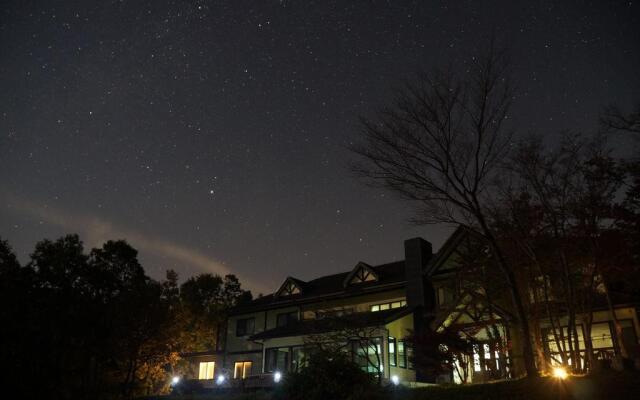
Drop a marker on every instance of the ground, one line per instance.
(608, 385)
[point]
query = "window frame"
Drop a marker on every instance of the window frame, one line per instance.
(402, 356)
(393, 356)
(245, 331)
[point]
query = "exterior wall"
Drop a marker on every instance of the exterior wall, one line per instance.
(360, 303)
(194, 364)
(399, 329)
(272, 315)
(255, 358)
(241, 343)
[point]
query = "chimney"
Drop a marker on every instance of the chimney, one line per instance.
(417, 253)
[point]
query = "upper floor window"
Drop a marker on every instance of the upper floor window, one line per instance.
(388, 306)
(283, 319)
(245, 326)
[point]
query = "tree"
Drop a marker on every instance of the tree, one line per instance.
(353, 334)
(206, 299)
(437, 353)
(440, 146)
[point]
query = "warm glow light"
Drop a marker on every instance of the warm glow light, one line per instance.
(175, 380)
(395, 380)
(560, 373)
(277, 376)
(220, 379)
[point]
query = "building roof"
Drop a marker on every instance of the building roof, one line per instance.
(390, 275)
(329, 324)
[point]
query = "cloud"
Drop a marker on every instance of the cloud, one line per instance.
(95, 231)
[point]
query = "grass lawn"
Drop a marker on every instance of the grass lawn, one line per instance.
(606, 385)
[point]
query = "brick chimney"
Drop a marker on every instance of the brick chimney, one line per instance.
(417, 253)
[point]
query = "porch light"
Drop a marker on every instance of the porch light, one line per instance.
(220, 379)
(560, 373)
(395, 380)
(277, 377)
(175, 380)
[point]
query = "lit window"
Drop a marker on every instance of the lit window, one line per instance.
(402, 355)
(403, 303)
(384, 306)
(396, 304)
(242, 369)
(206, 370)
(392, 352)
(375, 308)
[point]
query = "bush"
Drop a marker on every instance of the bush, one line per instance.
(328, 375)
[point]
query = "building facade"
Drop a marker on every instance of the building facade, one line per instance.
(371, 311)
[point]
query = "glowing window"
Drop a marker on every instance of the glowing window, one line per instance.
(242, 369)
(375, 308)
(206, 370)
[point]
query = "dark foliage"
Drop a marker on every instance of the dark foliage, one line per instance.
(95, 326)
(329, 375)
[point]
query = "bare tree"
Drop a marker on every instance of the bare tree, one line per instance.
(355, 335)
(613, 118)
(440, 145)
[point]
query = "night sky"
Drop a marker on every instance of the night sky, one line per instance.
(212, 134)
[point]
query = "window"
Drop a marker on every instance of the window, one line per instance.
(289, 288)
(284, 319)
(368, 354)
(245, 326)
(402, 356)
(363, 275)
(387, 306)
(206, 370)
(242, 369)
(284, 359)
(393, 360)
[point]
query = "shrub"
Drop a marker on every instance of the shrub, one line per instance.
(328, 375)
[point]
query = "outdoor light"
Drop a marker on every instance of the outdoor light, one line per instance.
(175, 380)
(560, 373)
(220, 379)
(395, 380)
(277, 376)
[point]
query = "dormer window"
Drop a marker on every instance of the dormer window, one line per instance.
(361, 273)
(289, 288)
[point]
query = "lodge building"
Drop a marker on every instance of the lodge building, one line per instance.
(270, 334)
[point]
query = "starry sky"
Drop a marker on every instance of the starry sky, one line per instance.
(212, 134)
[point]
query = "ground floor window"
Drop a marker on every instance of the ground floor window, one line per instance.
(206, 370)
(402, 355)
(242, 369)
(393, 360)
(290, 358)
(601, 340)
(368, 354)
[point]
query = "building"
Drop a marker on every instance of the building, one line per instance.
(387, 302)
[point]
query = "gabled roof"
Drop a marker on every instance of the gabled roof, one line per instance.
(390, 276)
(362, 272)
(447, 249)
(467, 298)
(290, 287)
